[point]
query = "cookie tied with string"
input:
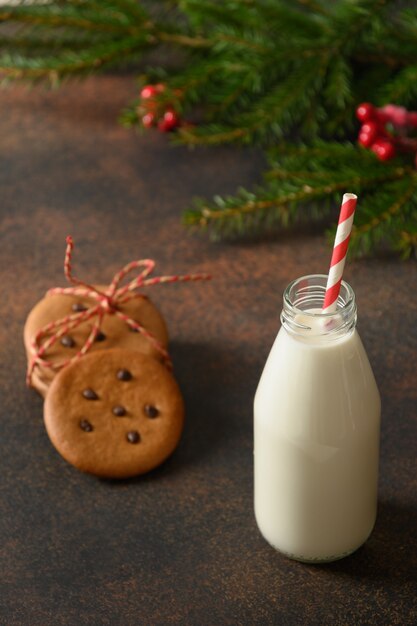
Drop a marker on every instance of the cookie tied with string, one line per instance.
(113, 333)
(70, 322)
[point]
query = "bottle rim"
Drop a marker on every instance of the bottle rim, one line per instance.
(306, 293)
(343, 302)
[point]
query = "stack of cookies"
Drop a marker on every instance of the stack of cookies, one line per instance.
(114, 333)
(113, 409)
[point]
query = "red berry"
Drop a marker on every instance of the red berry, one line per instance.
(383, 149)
(384, 114)
(389, 109)
(169, 121)
(372, 129)
(148, 120)
(400, 117)
(412, 119)
(395, 114)
(369, 133)
(149, 91)
(365, 112)
(365, 139)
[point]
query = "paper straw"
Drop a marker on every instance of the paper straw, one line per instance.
(340, 246)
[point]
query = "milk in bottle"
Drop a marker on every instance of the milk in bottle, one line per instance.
(316, 430)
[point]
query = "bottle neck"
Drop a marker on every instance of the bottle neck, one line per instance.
(302, 310)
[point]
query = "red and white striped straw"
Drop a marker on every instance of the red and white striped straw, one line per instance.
(340, 246)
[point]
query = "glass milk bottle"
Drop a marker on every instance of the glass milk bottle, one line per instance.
(316, 430)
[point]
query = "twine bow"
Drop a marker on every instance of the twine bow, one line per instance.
(106, 302)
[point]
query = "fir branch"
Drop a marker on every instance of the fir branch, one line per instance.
(56, 16)
(258, 72)
(300, 177)
(403, 88)
(68, 62)
(407, 242)
(209, 213)
(383, 215)
(280, 109)
(38, 43)
(314, 6)
(207, 14)
(178, 38)
(393, 209)
(57, 21)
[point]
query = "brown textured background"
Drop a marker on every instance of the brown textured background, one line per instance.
(179, 546)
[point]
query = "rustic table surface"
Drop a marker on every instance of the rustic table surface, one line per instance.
(180, 545)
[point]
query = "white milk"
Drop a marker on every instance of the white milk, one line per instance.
(316, 429)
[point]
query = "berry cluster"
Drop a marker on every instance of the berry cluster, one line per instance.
(384, 130)
(149, 110)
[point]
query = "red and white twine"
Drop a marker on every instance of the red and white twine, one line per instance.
(105, 302)
(340, 246)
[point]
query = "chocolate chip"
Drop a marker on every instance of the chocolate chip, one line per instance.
(90, 394)
(151, 411)
(133, 436)
(77, 307)
(86, 426)
(67, 341)
(119, 410)
(124, 375)
(100, 336)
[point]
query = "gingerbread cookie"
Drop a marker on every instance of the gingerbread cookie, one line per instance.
(114, 332)
(39, 382)
(114, 413)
